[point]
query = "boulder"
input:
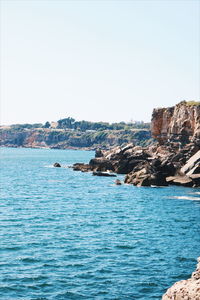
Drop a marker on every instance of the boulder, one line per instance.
(101, 164)
(180, 180)
(192, 162)
(185, 289)
(81, 167)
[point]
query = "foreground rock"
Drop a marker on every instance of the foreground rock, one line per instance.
(185, 289)
(153, 166)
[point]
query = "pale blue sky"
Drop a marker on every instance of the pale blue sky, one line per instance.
(97, 60)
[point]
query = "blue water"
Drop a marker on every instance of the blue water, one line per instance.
(70, 235)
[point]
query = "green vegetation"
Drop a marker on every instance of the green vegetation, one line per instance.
(70, 123)
(193, 103)
(27, 126)
(77, 134)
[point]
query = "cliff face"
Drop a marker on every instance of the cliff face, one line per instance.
(63, 139)
(179, 123)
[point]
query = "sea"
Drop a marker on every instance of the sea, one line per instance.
(71, 235)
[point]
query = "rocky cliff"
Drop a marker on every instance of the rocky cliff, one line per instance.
(174, 159)
(180, 123)
(70, 138)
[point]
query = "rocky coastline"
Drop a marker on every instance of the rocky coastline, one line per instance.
(173, 159)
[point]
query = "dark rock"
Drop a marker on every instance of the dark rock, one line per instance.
(118, 182)
(101, 164)
(196, 179)
(81, 167)
(98, 153)
(57, 165)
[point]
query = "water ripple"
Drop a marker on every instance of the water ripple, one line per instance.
(68, 235)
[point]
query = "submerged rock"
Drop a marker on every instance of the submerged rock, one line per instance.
(185, 289)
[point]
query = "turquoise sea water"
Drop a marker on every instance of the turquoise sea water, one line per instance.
(70, 235)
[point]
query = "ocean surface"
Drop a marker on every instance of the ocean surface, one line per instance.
(71, 235)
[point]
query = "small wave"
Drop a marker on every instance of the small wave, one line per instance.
(29, 260)
(185, 259)
(104, 271)
(14, 248)
(124, 247)
(70, 295)
(53, 180)
(51, 166)
(186, 198)
(195, 193)
(34, 278)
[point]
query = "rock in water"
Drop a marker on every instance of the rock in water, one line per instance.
(185, 289)
(57, 165)
(118, 182)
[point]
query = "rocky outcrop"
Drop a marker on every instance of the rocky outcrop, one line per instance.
(185, 289)
(150, 166)
(179, 123)
(174, 159)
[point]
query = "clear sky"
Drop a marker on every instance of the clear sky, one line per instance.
(97, 60)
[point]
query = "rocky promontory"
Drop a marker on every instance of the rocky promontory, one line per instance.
(172, 159)
(185, 289)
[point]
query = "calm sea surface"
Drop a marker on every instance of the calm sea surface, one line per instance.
(70, 235)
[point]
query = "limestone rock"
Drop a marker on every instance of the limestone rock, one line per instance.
(178, 123)
(185, 289)
(191, 164)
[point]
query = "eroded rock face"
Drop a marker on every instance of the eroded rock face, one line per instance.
(185, 289)
(150, 166)
(178, 123)
(174, 159)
